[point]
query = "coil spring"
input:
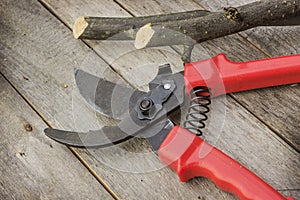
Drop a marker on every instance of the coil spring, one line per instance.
(198, 109)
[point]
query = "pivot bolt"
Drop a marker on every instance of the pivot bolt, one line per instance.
(145, 105)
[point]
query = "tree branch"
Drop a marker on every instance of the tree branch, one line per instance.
(189, 27)
(120, 28)
(230, 20)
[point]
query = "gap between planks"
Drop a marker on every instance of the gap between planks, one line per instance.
(75, 153)
(266, 124)
(48, 8)
(123, 7)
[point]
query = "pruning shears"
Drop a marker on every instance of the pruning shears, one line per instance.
(180, 147)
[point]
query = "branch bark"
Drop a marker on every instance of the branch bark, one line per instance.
(189, 27)
(218, 24)
(116, 28)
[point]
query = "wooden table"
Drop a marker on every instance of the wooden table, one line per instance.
(37, 57)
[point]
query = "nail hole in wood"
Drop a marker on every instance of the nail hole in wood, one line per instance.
(28, 127)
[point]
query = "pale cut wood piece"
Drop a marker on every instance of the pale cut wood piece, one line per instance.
(112, 52)
(71, 10)
(79, 27)
(277, 107)
(149, 180)
(108, 50)
(31, 165)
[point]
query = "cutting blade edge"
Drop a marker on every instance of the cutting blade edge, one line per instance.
(107, 136)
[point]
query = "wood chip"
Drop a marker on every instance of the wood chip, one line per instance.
(79, 27)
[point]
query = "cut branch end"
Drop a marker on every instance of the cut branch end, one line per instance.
(79, 27)
(143, 36)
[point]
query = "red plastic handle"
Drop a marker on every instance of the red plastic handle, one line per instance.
(190, 156)
(224, 76)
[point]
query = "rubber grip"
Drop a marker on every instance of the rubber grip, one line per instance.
(190, 156)
(224, 76)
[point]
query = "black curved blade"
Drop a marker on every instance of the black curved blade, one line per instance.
(110, 135)
(132, 124)
(106, 136)
(108, 98)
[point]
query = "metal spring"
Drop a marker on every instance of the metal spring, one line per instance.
(198, 109)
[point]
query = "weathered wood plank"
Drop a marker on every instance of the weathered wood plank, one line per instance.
(277, 107)
(134, 62)
(34, 49)
(156, 7)
(45, 66)
(56, 107)
(71, 11)
(31, 165)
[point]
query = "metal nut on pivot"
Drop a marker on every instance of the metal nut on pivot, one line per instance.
(145, 105)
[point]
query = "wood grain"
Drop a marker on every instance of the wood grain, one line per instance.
(72, 10)
(123, 167)
(32, 166)
(277, 107)
(129, 70)
(45, 66)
